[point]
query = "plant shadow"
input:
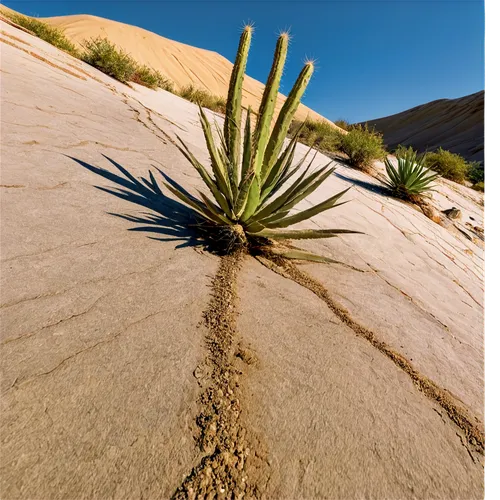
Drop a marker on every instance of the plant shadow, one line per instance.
(374, 188)
(168, 219)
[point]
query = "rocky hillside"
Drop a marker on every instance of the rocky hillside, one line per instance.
(453, 124)
(359, 379)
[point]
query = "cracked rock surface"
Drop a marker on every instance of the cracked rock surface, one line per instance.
(102, 301)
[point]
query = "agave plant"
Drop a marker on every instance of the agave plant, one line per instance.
(410, 178)
(252, 201)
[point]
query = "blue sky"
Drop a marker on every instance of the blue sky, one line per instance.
(374, 57)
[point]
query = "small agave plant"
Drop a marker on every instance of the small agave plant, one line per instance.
(252, 202)
(411, 178)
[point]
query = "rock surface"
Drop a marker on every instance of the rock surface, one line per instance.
(103, 293)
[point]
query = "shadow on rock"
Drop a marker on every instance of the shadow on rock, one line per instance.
(374, 188)
(171, 219)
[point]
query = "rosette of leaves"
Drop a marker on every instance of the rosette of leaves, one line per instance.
(252, 180)
(410, 178)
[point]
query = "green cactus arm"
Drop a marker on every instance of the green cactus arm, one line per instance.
(268, 103)
(232, 120)
(285, 117)
(247, 148)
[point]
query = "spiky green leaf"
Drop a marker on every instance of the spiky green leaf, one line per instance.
(302, 255)
(302, 234)
(310, 212)
(195, 204)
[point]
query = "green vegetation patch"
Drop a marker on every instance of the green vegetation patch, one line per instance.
(44, 31)
(115, 62)
(204, 98)
(409, 179)
(320, 134)
(362, 146)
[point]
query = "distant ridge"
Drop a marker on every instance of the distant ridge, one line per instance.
(453, 124)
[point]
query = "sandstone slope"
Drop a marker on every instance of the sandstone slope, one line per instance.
(453, 124)
(103, 338)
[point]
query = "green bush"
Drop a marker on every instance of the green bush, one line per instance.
(344, 124)
(450, 165)
(163, 82)
(203, 98)
(106, 57)
(50, 34)
(151, 78)
(362, 146)
(476, 172)
(144, 76)
(401, 150)
(320, 134)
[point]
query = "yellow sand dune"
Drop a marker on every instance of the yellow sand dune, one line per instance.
(182, 63)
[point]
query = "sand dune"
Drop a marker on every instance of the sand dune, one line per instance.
(182, 63)
(453, 124)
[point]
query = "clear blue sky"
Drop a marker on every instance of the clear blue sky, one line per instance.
(374, 57)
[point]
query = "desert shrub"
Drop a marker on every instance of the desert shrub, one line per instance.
(44, 31)
(476, 172)
(218, 104)
(151, 78)
(409, 178)
(362, 146)
(106, 57)
(163, 82)
(450, 165)
(401, 150)
(144, 75)
(250, 205)
(204, 98)
(319, 134)
(331, 143)
(344, 124)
